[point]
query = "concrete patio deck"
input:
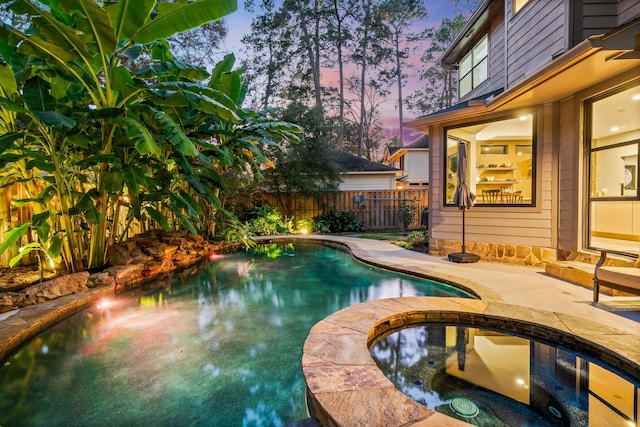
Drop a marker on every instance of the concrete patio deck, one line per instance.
(526, 293)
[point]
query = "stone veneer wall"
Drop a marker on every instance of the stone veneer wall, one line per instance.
(520, 255)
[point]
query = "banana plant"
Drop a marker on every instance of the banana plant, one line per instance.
(74, 57)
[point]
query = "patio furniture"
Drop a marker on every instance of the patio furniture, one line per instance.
(626, 279)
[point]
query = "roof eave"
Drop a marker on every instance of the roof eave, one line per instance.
(448, 59)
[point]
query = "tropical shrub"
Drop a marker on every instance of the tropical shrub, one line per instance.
(265, 220)
(337, 222)
(98, 144)
(305, 226)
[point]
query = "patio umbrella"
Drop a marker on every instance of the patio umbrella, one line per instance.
(463, 199)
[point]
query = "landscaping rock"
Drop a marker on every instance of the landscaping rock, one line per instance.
(11, 300)
(101, 279)
(56, 288)
(130, 262)
(126, 275)
(119, 254)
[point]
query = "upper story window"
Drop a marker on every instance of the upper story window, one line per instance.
(518, 4)
(473, 69)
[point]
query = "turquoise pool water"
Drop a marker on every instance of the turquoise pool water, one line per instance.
(217, 345)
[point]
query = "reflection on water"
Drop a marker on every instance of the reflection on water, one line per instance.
(219, 345)
(487, 378)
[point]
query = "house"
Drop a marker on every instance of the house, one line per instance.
(359, 174)
(549, 109)
(412, 160)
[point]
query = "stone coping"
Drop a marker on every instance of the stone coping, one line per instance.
(346, 388)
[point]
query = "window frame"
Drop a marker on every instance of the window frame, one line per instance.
(589, 150)
(473, 171)
(474, 67)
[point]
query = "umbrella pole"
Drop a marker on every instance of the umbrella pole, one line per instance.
(463, 230)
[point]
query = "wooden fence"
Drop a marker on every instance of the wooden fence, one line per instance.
(379, 210)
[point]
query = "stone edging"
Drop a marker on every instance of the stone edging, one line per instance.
(346, 388)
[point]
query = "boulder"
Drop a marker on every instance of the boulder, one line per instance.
(56, 288)
(126, 275)
(11, 300)
(101, 279)
(120, 253)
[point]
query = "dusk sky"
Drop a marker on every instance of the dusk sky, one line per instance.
(239, 24)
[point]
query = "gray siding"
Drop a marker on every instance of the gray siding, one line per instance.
(568, 184)
(593, 17)
(535, 35)
(627, 10)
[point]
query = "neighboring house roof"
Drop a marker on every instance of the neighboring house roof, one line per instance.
(391, 153)
(422, 142)
(349, 163)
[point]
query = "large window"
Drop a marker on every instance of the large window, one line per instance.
(473, 69)
(614, 151)
(501, 161)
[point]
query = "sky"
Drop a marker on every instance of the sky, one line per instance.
(239, 24)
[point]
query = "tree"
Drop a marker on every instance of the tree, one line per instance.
(366, 116)
(198, 46)
(400, 16)
(339, 34)
(271, 40)
(439, 87)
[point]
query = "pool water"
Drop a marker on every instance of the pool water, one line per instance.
(220, 345)
(487, 378)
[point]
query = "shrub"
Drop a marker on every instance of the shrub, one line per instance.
(305, 224)
(337, 222)
(403, 244)
(407, 213)
(419, 238)
(265, 220)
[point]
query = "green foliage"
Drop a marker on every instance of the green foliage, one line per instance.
(265, 220)
(305, 225)
(403, 244)
(407, 213)
(108, 145)
(337, 222)
(419, 238)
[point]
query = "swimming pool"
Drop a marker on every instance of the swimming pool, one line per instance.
(489, 378)
(221, 346)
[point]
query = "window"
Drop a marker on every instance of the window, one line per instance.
(473, 68)
(500, 164)
(519, 4)
(614, 154)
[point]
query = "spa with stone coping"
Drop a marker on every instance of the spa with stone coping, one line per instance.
(345, 387)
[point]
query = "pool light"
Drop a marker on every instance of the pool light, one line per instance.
(103, 304)
(214, 256)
